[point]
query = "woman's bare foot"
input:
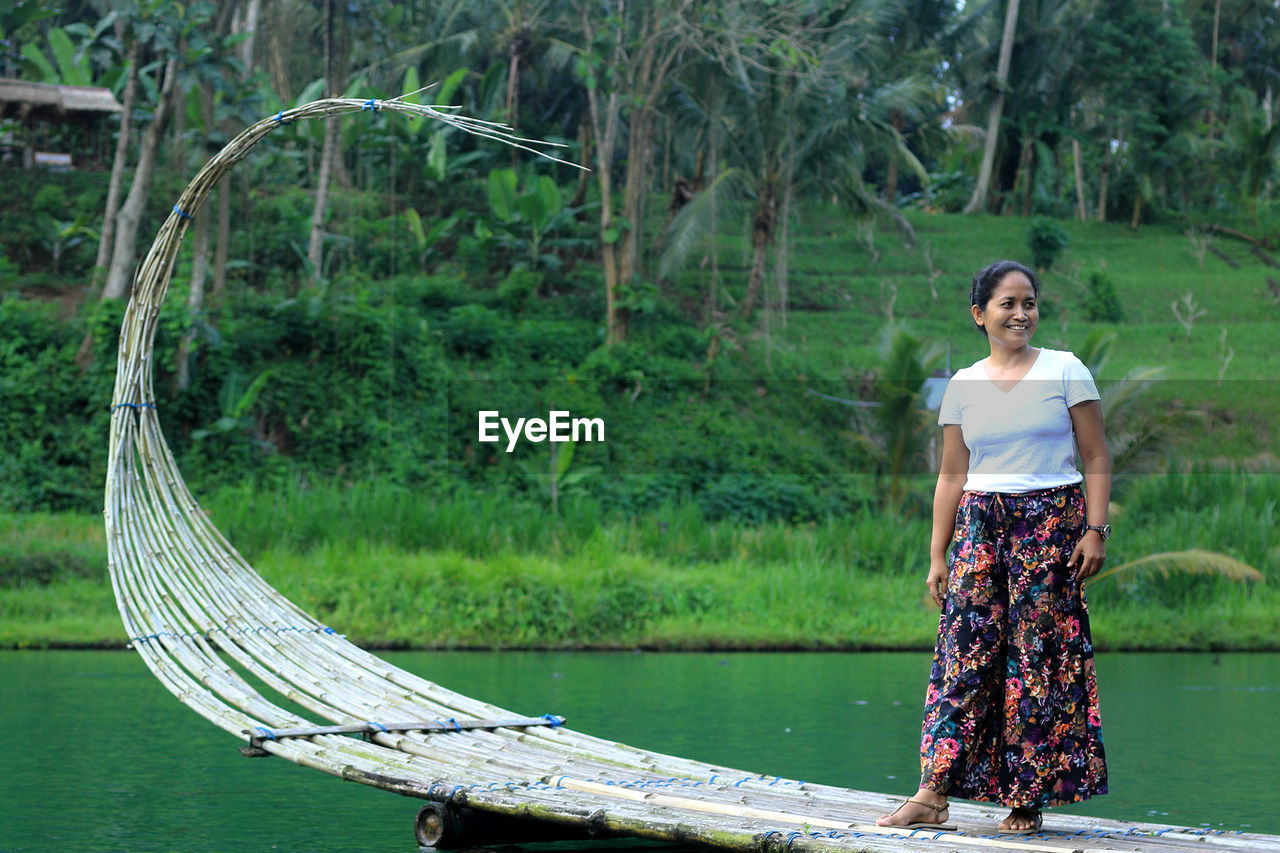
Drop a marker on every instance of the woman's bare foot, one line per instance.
(1022, 822)
(925, 809)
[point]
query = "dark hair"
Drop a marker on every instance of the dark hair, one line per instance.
(989, 277)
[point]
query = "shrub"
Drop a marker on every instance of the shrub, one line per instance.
(1046, 239)
(516, 289)
(1103, 301)
(473, 329)
(756, 498)
(551, 342)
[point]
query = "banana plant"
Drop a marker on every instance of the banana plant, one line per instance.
(559, 478)
(425, 238)
(59, 235)
(236, 403)
(69, 63)
(530, 215)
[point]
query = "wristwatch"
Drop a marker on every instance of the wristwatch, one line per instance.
(1104, 530)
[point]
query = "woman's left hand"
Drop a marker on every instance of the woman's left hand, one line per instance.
(1089, 555)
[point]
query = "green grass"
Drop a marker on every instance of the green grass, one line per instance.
(1152, 268)
(844, 298)
(392, 571)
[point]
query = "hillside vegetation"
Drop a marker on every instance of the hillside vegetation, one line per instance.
(729, 506)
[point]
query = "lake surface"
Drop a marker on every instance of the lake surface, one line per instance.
(96, 756)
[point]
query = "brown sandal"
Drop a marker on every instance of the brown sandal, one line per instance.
(939, 824)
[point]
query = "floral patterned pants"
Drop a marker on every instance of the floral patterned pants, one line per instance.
(1011, 713)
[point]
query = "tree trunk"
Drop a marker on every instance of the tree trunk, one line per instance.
(1078, 168)
(763, 223)
(1213, 63)
(513, 85)
(641, 81)
(126, 239)
(604, 120)
(978, 202)
(279, 68)
(639, 148)
(891, 179)
(199, 256)
(759, 251)
(604, 130)
(1027, 167)
(195, 299)
(1102, 190)
(584, 145)
(784, 252)
(178, 142)
(315, 245)
(711, 310)
(224, 234)
(106, 240)
(666, 157)
(249, 26)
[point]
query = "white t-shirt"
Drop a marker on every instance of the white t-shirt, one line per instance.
(1019, 440)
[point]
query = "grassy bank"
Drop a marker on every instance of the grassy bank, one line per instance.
(391, 569)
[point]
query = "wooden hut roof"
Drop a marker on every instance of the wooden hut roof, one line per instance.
(24, 99)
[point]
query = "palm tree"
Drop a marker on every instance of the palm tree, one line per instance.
(1252, 144)
(905, 426)
(795, 118)
(921, 43)
(1036, 100)
(644, 46)
(1138, 433)
(978, 202)
(1144, 95)
(164, 32)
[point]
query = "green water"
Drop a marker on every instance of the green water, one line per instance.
(96, 756)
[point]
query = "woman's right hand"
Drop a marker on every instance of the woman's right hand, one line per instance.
(936, 582)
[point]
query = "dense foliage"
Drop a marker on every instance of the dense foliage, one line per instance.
(356, 292)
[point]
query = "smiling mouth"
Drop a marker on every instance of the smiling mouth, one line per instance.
(1018, 328)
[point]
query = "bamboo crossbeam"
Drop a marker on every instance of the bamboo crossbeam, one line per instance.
(259, 734)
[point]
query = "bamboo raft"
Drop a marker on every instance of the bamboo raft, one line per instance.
(232, 648)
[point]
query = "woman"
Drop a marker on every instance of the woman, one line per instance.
(1011, 713)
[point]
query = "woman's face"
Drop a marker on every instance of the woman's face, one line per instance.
(1011, 314)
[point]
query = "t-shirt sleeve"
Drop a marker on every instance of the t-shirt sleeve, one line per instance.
(949, 412)
(1078, 381)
